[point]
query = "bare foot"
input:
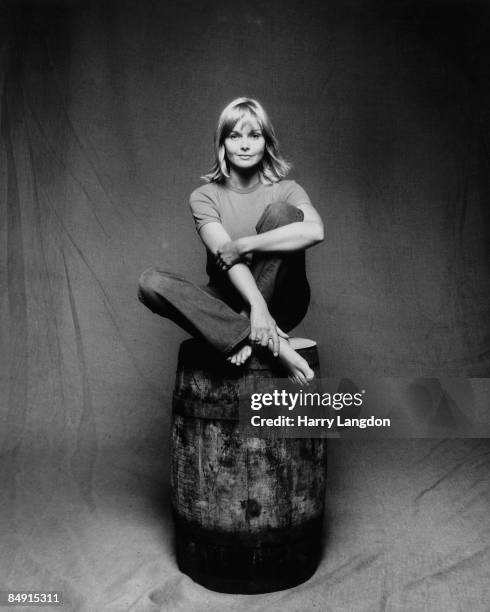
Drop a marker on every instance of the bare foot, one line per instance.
(299, 372)
(241, 356)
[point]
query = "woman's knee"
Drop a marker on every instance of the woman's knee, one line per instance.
(154, 280)
(277, 214)
(148, 281)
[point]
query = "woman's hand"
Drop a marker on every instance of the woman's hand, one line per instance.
(228, 255)
(264, 330)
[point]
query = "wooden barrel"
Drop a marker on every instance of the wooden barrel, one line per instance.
(248, 511)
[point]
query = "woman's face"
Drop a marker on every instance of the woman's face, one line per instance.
(245, 144)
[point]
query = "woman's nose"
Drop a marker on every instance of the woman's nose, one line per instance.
(244, 145)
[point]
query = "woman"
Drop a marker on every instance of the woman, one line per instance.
(256, 226)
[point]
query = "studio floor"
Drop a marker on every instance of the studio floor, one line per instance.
(407, 529)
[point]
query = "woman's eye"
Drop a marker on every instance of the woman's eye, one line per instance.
(256, 136)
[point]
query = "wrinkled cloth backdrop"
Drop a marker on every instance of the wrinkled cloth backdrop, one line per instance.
(107, 116)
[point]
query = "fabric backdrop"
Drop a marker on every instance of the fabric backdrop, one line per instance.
(107, 116)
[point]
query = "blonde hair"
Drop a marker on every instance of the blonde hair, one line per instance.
(273, 167)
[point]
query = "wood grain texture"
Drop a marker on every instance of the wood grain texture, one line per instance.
(248, 510)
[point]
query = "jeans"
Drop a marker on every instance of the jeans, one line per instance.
(212, 312)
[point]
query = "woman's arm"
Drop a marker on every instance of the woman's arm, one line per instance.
(292, 237)
(263, 327)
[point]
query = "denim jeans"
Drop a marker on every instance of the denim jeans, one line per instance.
(212, 312)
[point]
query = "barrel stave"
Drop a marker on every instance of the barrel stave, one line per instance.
(248, 511)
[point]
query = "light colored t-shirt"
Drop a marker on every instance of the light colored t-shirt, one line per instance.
(238, 210)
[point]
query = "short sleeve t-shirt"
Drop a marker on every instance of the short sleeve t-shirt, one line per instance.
(238, 210)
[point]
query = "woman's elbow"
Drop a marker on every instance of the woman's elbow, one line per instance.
(319, 233)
